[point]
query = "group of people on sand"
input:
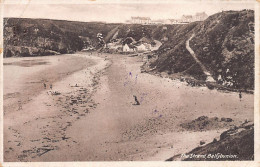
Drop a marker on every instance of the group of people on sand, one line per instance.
(52, 92)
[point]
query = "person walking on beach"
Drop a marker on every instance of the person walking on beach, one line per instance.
(44, 84)
(20, 105)
(240, 95)
(51, 86)
(136, 101)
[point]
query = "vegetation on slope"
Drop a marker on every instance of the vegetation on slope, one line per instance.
(33, 37)
(224, 43)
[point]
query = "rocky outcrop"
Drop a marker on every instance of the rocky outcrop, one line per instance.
(234, 144)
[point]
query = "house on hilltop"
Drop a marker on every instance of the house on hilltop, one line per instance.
(141, 20)
(159, 21)
(171, 21)
(186, 18)
(200, 16)
(197, 17)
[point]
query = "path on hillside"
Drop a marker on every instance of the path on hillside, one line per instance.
(206, 72)
(111, 34)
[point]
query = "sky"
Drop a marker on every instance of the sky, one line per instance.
(117, 12)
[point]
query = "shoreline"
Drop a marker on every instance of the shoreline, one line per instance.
(34, 79)
(53, 110)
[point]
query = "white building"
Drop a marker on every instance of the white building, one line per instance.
(126, 48)
(159, 21)
(129, 48)
(186, 18)
(200, 16)
(141, 47)
(148, 46)
(141, 20)
(171, 21)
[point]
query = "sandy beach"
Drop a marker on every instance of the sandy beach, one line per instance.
(90, 112)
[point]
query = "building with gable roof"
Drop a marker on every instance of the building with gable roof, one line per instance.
(141, 20)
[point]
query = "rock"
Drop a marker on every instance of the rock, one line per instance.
(229, 120)
(226, 119)
(202, 118)
(205, 49)
(202, 142)
(224, 135)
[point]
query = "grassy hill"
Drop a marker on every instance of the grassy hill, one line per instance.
(33, 37)
(224, 43)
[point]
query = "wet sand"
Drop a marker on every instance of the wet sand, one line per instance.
(97, 120)
(24, 77)
(33, 114)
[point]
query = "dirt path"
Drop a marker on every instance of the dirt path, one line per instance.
(206, 72)
(108, 126)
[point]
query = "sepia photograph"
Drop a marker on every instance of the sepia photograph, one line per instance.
(129, 81)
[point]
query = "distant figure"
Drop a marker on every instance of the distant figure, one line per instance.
(136, 78)
(44, 84)
(240, 95)
(51, 86)
(137, 102)
(20, 105)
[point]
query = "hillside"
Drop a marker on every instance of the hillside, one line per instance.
(224, 43)
(35, 37)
